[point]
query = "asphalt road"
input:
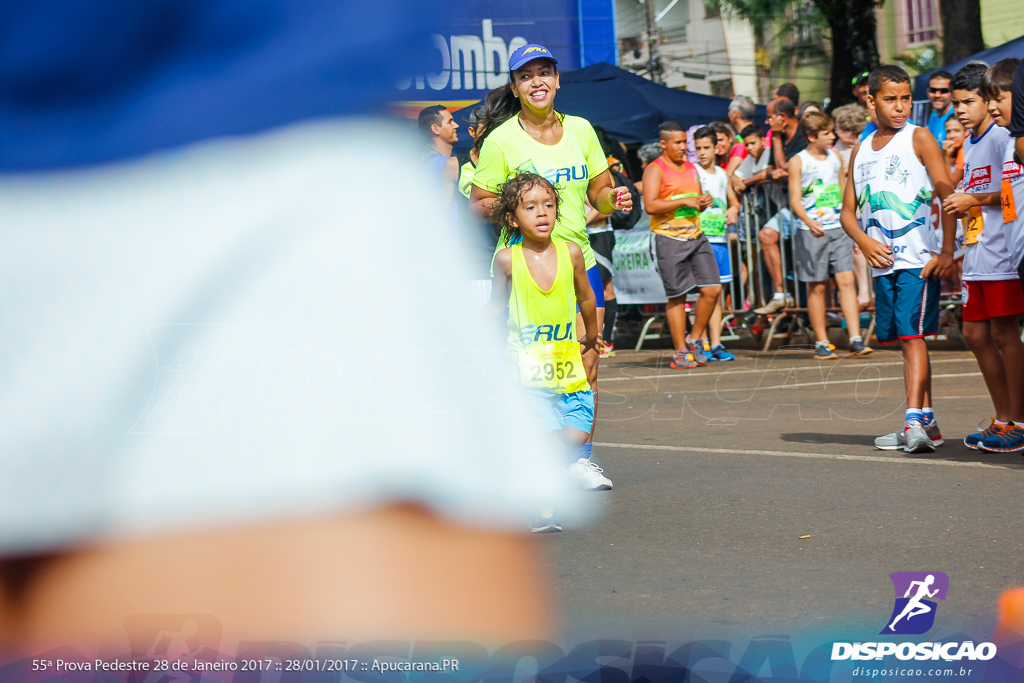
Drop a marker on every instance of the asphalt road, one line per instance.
(720, 471)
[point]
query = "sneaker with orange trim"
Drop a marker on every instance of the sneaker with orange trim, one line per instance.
(1008, 440)
(974, 440)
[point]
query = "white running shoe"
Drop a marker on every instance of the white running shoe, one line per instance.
(895, 442)
(589, 476)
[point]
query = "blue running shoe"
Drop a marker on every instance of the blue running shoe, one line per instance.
(1008, 440)
(720, 353)
(974, 440)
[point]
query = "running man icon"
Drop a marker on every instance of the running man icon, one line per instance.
(916, 588)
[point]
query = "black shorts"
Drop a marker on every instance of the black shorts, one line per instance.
(603, 243)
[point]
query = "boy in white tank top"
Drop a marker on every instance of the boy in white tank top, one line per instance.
(992, 295)
(893, 172)
(815, 196)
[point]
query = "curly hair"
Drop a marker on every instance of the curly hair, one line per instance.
(510, 196)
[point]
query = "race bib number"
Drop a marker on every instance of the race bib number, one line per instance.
(975, 224)
(712, 223)
(556, 367)
(1009, 206)
(684, 211)
(827, 196)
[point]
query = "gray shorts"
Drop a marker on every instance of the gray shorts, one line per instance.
(817, 258)
(685, 265)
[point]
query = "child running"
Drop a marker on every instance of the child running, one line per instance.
(713, 222)
(816, 175)
(541, 280)
(991, 288)
(893, 173)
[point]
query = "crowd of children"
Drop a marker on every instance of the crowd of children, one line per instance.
(858, 198)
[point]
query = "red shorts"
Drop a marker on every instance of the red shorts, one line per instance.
(984, 299)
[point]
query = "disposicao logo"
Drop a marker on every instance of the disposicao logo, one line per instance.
(913, 614)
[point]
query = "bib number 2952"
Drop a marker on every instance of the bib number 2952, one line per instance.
(557, 366)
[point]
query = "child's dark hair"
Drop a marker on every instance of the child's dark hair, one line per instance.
(509, 197)
(969, 77)
(706, 132)
(999, 77)
(887, 73)
(752, 129)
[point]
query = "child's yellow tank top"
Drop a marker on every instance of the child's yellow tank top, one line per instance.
(541, 337)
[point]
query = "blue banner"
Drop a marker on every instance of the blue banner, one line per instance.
(469, 55)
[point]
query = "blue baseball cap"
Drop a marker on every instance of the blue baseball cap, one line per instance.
(528, 53)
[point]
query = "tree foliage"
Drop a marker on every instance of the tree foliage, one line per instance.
(851, 29)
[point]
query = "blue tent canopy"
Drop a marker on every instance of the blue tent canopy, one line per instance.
(630, 107)
(1014, 48)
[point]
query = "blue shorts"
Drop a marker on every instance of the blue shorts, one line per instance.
(724, 263)
(558, 411)
(906, 306)
(594, 275)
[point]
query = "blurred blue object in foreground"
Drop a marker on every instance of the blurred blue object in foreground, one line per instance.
(107, 80)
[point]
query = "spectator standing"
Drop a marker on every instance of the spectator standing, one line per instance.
(893, 173)
(787, 141)
(850, 120)
(789, 91)
(729, 152)
(939, 96)
(686, 261)
(993, 300)
(816, 176)
(1017, 117)
(741, 112)
(714, 222)
(478, 237)
(859, 88)
(440, 130)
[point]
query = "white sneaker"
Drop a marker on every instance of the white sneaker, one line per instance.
(589, 476)
(916, 440)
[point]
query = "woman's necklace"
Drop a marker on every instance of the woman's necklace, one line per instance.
(547, 136)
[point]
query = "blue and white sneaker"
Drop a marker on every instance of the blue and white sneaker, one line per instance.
(973, 441)
(1007, 440)
(720, 353)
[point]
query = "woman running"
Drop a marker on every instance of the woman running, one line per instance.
(523, 132)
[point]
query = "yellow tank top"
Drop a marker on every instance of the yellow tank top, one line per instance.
(541, 338)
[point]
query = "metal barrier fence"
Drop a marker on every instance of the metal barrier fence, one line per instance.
(767, 205)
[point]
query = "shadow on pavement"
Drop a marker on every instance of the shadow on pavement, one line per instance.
(815, 437)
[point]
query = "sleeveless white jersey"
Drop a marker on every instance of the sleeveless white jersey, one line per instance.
(821, 196)
(713, 218)
(894, 195)
(987, 247)
(1013, 202)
